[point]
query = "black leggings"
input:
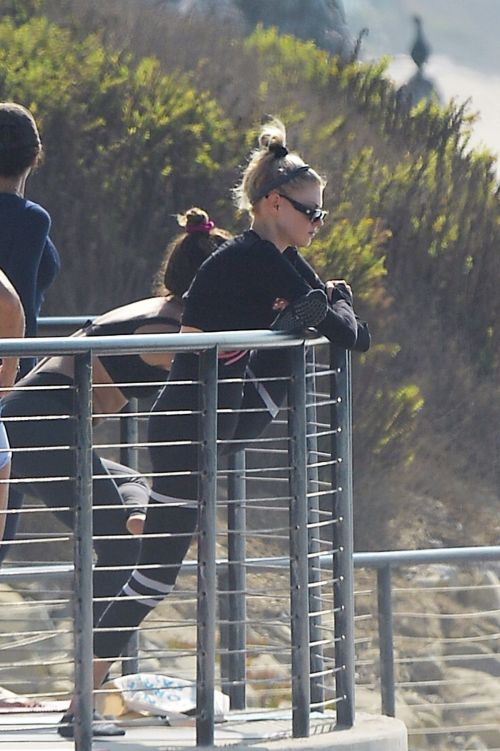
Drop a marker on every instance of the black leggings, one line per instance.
(33, 467)
(133, 489)
(266, 382)
(173, 506)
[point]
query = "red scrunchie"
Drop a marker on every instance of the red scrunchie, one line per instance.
(203, 227)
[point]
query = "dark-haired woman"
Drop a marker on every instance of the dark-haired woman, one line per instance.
(237, 288)
(120, 495)
(27, 255)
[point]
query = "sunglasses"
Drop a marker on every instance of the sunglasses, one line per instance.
(314, 215)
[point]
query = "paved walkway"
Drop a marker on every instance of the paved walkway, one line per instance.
(258, 731)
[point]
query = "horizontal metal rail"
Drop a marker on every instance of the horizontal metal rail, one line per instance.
(429, 555)
(377, 559)
(361, 560)
(132, 344)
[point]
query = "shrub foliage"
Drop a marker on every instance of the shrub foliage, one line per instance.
(144, 113)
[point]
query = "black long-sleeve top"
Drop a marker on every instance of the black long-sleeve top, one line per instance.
(236, 287)
(340, 325)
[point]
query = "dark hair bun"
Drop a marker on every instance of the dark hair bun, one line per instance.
(192, 218)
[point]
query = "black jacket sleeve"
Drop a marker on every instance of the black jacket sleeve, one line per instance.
(340, 325)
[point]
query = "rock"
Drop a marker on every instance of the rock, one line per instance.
(24, 643)
(486, 663)
(485, 595)
(416, 713)
(63, 668)
(267, 666)
(65, 688)
(430, 669)
(475, 744)
(65, 635)
(476, 694)
(368, 700)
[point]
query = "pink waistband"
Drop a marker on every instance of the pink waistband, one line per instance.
(232, 357)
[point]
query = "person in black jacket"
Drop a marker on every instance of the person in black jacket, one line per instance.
(255, 280)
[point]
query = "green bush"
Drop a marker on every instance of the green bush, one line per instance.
(145, 113)
(127, 148)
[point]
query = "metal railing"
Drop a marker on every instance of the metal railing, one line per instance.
(426, 616)
(318, 476)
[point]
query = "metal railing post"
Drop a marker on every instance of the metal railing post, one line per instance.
(299, 584)
(314, 545)
(83, 530)
(386, 641)
(343, 567)
(207, 521)
(129, 456)
(235, 630)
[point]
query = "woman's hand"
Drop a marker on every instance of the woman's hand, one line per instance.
(340, 284)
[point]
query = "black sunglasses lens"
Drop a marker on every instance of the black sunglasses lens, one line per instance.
(313, 215)
(316, 215)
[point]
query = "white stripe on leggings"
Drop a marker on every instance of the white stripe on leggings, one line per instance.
(151, 583)
(148, 601)
(264, 394)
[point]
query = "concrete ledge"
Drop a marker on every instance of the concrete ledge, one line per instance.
(21, 732)
(370, 733)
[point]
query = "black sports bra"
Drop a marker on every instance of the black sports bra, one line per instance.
(129, 372)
